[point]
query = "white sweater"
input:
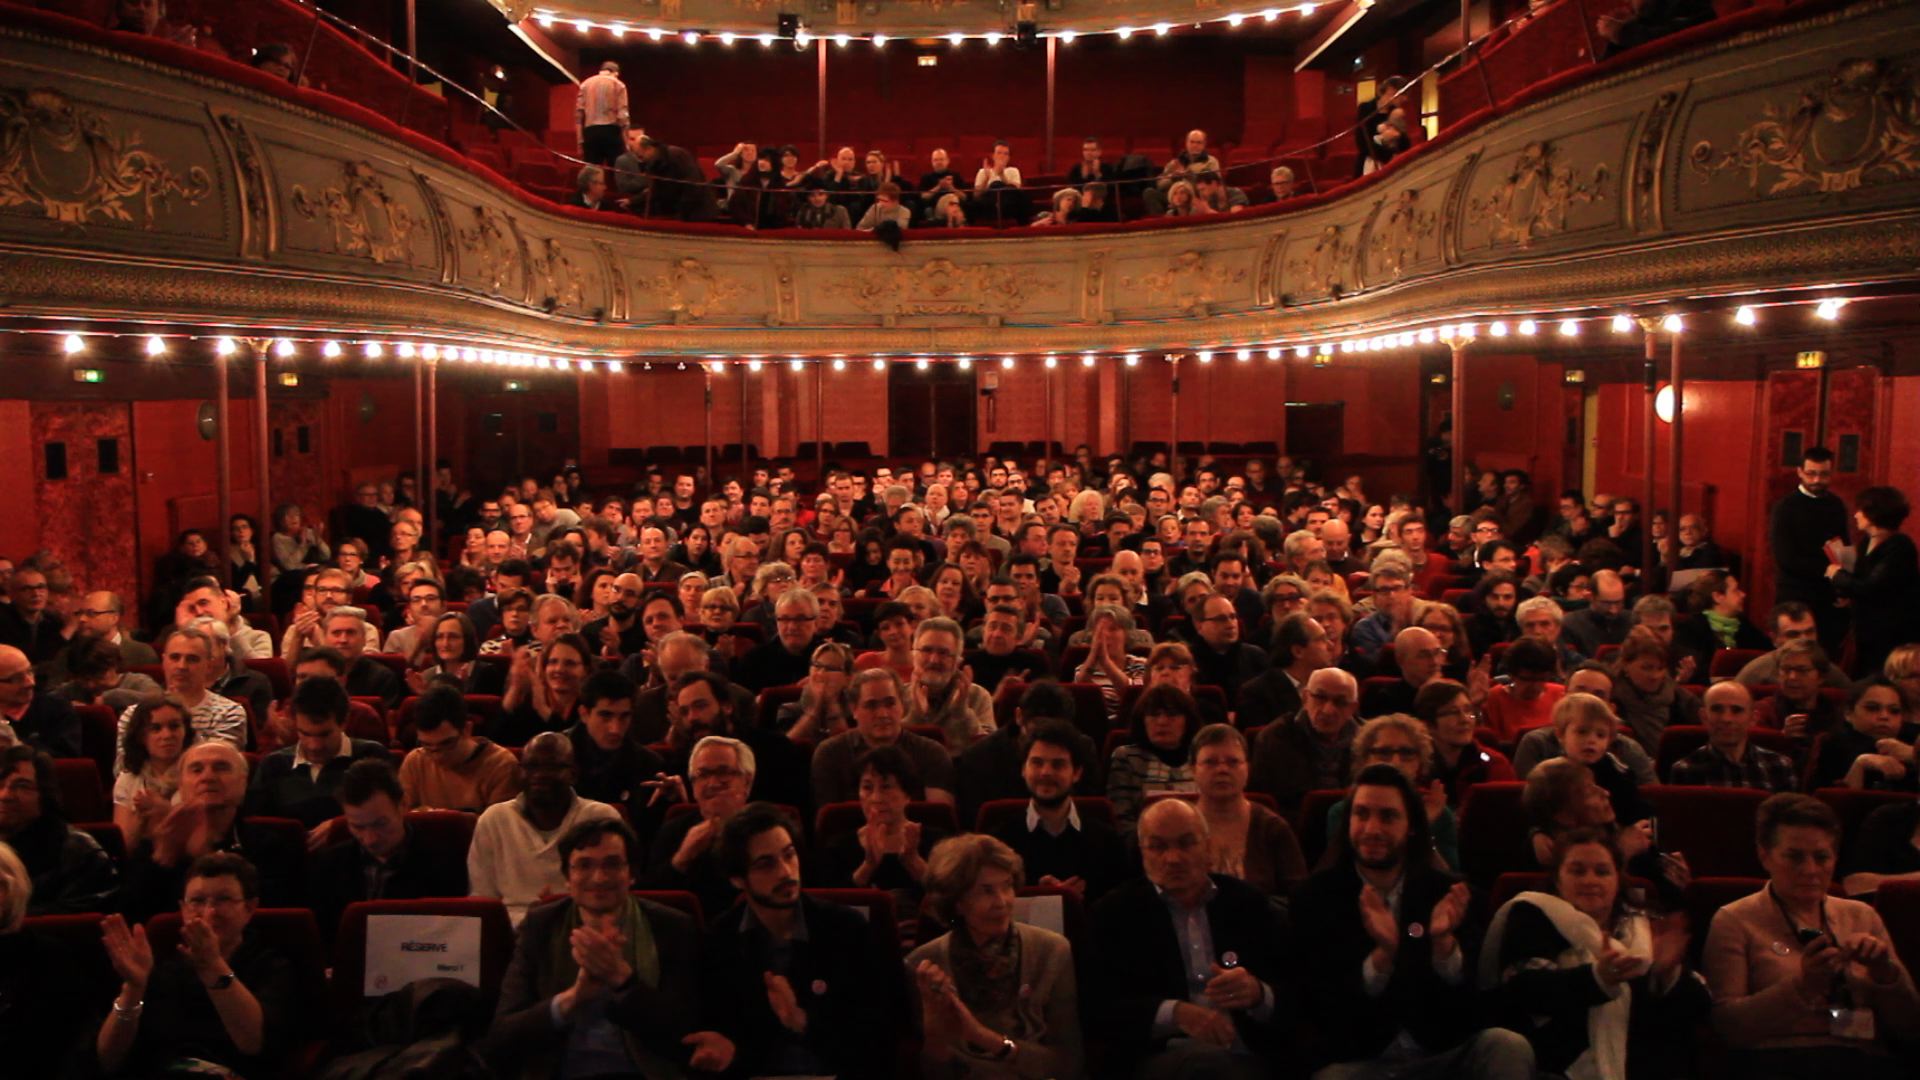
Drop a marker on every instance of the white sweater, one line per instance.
(515, 863)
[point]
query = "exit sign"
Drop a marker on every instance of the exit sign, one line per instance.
(89, 375)
(1810, 359)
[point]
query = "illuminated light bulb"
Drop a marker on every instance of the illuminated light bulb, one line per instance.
(1467, 331)
(619, 30)
(842, 40)
(993, 37)
(331, 350)
(1448, 332)
(766, 41)
(1273, 352)
(1067, 36)
(965, 363)
(1052, 362)
(1086, 360)
(1746, 316)
(1569, 328)
(226, 347)
(1497, 329)
(956, 38)
(73, 345)
(1326, 349)
(1160, 29)
(795, 364)
(1133, 359)
(1243, 355)
(1123, 33)
(429, 352)
(753, 366)
(283, 348)
(1270, 14)
(1305, 9)
(487, 356)
(1622, 324)
(1673, 324)
(802, 38)
(1406, 338)
(880, 40)
(879, 364)
(1236, 19)
(922, 364)
(691, 37)
(654, 33)
(544, 363)
(583, 25)
(561, 363)
(1829, 309)
(1205, 356)
(156, 347)
(1006, 363)
(1426, 335)
(717, 368)
(615, 367)
(406, 350)
(839, 363)
(726, 38)
(470, 354)
(545, 19)
(1301, 351)
(1528, 328)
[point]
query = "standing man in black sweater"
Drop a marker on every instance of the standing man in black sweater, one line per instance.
(1797, 533)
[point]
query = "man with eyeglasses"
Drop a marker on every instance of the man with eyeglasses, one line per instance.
(29, 623)
(1309, 750)
(703, 705)
(784, 660)
(684, 854)
(450, 768)
(1604, 621)
(426, 602)
(319, 595)
(1220, 658)
(511, 858)
(1420, 656)
(1301, 647)
(44, 721)
(877, 699)
(99, 619)
(602, 983)
(942, 692)
(1393, 598)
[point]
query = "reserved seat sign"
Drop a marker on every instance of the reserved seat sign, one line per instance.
(403, 948)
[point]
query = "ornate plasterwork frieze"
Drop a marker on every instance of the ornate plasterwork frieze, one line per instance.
(1859, 126)
(73, 164)
(1190, 283)
(1531, 201)
(692, 291)
(366, 220)
(942, 287)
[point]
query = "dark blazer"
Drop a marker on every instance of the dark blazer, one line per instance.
(524, 1041)
(1348, 1025)
(843, 975)
(1696, 639)
(1228, 669)
(1266, 699)
(371, 678)
(335, 878)
(1282, 761)
(1883, 585)
(39, 638)
(50, 724)
(1094, 853)
(990, 769)
(282, 789)
(705, 878)
(1136, 962)
(152, 888)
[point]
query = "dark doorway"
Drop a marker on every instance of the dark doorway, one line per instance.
(1316, 431)
(930, 413)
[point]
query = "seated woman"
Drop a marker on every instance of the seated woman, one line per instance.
(889, 851)
(1460, 759)
(159, 730)
(821, 712)
(515, 606)
(351, 556)
(543, 693)
(1155, 756)
(1110, 589)
(1719, 622)
(1806, 985)
(997, 998)
(1244, 839)
(1645, 695)
(1874, 751)
(1400, 741)
(1444, 622)
(950, 590)
(224, 1004)
(1108, 664)
(893, 624)
(449, 653)
(1591, 982)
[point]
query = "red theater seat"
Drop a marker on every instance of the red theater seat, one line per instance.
(1493, 832)
(843, 817)
(1712, 827)
(350, 945)
(684, 902)
(1898, 903)
(82, 796)
(997, 813)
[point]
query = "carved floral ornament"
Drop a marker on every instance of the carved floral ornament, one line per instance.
(1189, 283)
(67, 161)
(1402, 228)
(692, 291)
(1860, 126)
(494, 247)
(1532, 200)
(943, 287)
(366, 220)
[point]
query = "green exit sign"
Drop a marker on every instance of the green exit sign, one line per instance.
(514, 386)
(89, 375)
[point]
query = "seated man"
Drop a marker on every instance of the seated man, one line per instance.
(451, 768)
(1790, 621)
(878, 697)
(1281, 186)
(1604, 621)
(1798, 707)
(999, 656)
(816, 212)
(1309, 750)
(41, 720)
(298, 781)
(224, 1004)
(602, 983)
(1543, 743)
(205, 819)
(805, 987)
(426, 601)
(685, 852)
(610, 766)
(382, 858)
(590, 190)
(348, 631)
(1730, 759)
(703, 707)
(68, 870)
(1220, 658)
(1191, 161)
(319, 595)
(785, 660)
(1215, 192)
(1417, 653)
(1381, 950)
(991, 768)
(1187, 973)
(1392, 608)
(229, 675)
(512, 858)
(674, 655)
(100, 617)
(1057, 845)
(29, 622)
(942, 693)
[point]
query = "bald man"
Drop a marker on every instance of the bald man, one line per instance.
(1338, 539)
(619, 633)
(1419, 656)
(1604, 621)
(1308, 750)
(27, 716)
(1730, 759)
(206, 818)
(1187, 969)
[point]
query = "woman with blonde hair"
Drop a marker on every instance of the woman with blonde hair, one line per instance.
(995, 997)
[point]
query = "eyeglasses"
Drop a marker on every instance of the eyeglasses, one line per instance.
(201, 903)
(935, 651)
(796, 620)
(701, 776)
(833, 668)
(612, 865)
(1403, 753)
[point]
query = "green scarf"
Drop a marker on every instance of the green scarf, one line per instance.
(1725, 627)
(642, 954)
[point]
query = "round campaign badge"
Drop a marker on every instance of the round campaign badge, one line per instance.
(819, 986)
(1415, 930)
(1229, 958)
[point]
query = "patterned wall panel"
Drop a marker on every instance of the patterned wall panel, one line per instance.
(88, 514)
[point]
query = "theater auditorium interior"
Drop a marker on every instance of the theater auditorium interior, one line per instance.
(1364, 540)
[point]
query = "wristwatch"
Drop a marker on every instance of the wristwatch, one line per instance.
(1006, 1050)
(222, 982)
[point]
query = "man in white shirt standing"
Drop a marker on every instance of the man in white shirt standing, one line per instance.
(600, 116)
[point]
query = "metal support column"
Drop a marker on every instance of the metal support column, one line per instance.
(263, 536)
(261, 450)
(1676, 378)
(1649, 420)
(1457, 409)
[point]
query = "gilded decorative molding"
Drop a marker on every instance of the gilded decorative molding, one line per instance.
(1859, 127)
(68, 161)
(1189, 283)
(258, 222)
(365, 219)
(494, 250)
(942, 287)
(691, 290)
(1266, 281)
(1645, 204)
(786, 305)
(1532, 200)
(1322, 268)
(561, 280)
(1395, 237)
(616, 281)
(1095, 309)
(444, 237)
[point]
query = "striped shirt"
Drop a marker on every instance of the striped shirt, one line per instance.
(603, 100)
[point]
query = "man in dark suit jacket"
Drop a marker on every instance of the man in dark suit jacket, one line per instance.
(633, 987)
(46, 721)
(1388, 977)
(213, 784)
(1220, 658)
(1300, 648)
(801, 986)
(1223, 1020)
(28, 624)
(1798, 529)
(1308, 750)
(299, 781)
(382, 858)
(991, 768)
